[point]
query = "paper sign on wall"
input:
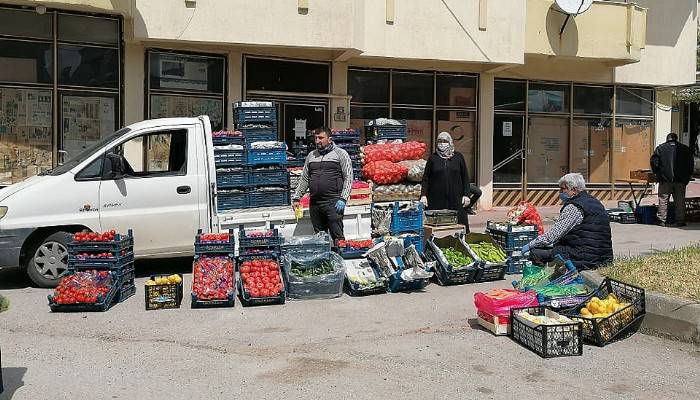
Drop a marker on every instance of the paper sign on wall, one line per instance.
(507, 128)
(299, 128)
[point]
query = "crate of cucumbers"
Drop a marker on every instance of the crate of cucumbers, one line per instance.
(454, 263)
(492, 257)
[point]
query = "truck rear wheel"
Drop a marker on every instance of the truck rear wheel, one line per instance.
(47, 259)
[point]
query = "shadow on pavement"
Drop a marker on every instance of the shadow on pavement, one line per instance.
(13, 278)
(13, 379)
(146, 268)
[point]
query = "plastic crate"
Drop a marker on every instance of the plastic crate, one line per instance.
(474, 239)
(120, 242)
(547, 341)
(348, 253)
(246, 241)
(232, 201)
(234, 179)
(345, 135)
(397, 284)
(646, 214)
(267, 156)
(127, 290)
(252, 135)
(118, 262)
(440, 217)
(407, 219)
(488, 273)
(246, 299)
(325, 286)
(123, 272)
(354, 289)
(228, 140)
(351, 148)
(619, 325)
(388, 132)
(254, 115)
(516, 262)
(229, 302)
(513, 237)
(447, 274)
(417, 240)
(103, 304)
(269, 177)
(270, 198)
(229, 157)
(692, 209)
(161, 297)
(214, 247)
(623, 218)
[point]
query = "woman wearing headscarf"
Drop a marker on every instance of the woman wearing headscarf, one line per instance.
(446, 180)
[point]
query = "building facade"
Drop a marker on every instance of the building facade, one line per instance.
(527, 92)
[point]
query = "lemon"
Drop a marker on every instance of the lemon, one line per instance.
(150, 282)
(584, 312)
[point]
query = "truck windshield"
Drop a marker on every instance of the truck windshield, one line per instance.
(85, 154)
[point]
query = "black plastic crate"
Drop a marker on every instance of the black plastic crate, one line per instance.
(547, 341)
(246, 241)
(262, 134)
(120, 242)
(214, 247)
(345, 136)
(228, 140)
(232, 179)
(269, 177)
(229, 157)
(103, 304)
(513, 237)
(623, 218)
(121, 272)
(488, 273)
(246, 299)
(79, 262)
(348, 253)
(128, 289)
(446, 274)
(619, 325)
(397, 284)
(440, 217)
(229, 302)
(232, 200)
(254, 115)
(516, 262)
(379, 132)
(164, 296)
(354, 289)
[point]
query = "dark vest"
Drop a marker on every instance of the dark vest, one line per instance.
(589, 244)
(325, 175)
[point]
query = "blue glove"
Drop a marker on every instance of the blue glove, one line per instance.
(525, 249)
(340, 207)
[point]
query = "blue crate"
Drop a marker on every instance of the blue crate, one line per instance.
(229, 158)
(232, 201)
(267, 156)
(406, 220)
(120, 242)
(397, 284)
(102, 304)
(416, 240)
(228, 140)
(214, 247)
(233, 179)
(646, 214)
(512, 238)
(387, 132)
(269, 199)
(115, 263)
(348, 253)
(254, 115)
(269, 177)
(252, 135)
(350, 148)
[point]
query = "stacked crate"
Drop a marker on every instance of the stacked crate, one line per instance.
(116, 255)
(408, 221)
(225, 247)
(259, 245)
(376, 130)
(349, 140)
(512, 239)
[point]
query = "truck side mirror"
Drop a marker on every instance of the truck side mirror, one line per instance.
(117, 165)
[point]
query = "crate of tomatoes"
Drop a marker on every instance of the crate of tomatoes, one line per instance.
(258, 238)
(96, 242)
(214, 243)
(352, 249)
(260, 281)
(85, 291)
(213, 281)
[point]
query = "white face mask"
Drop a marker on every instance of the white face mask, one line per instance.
(443, 146)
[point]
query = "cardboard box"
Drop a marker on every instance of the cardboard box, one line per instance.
(643, 175)
(548, 149)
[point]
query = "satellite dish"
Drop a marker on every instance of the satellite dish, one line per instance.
(574, 7)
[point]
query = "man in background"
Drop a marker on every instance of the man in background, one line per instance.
(672, 162)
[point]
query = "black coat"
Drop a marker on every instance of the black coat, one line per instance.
(445, 182)
(672, 162)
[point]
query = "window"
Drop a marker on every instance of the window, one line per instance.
(548, 98)
(26, 24)
(155, 154)
(26, 62)
(631, 146)
(508, 148)
(547, 149)
(590, 149)
(359, 116)
(509, 95)
(456, 90)
(368, 86)
(412, 88)
(419, 123)
(86, 118)
(92, 171)
(163, 106)
(80, 28)
(287, 76)
(88, 66)
(635, 101)
(593, 100)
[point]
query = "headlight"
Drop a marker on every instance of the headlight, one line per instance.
(3, 211)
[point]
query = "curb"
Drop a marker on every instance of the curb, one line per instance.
(667, 316)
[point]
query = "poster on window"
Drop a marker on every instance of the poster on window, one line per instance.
(178, 72)
(87, 118)
(25, 133)
(163, 106)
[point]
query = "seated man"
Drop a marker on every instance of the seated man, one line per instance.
(582, 233)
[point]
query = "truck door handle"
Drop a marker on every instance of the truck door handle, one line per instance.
(183, 189)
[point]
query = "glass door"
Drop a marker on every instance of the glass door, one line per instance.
(508, 150)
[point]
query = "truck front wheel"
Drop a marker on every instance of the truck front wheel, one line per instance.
(47, 258)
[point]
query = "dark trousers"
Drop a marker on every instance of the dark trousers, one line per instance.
(677, 190)
(541, 255)
(324, 218)
(474, 195)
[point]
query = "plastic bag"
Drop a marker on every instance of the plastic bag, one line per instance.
(526, 213)
(384, 172)
(416, 169)
(381, 220)
(412, 258)
(362, 276)
(314, 275)
(394, 247)
(498, 302)
(379, 257)
(398, 192)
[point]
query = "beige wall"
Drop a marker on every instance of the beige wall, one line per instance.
(664, 100)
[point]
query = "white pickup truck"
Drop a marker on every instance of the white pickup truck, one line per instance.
(156, 177)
